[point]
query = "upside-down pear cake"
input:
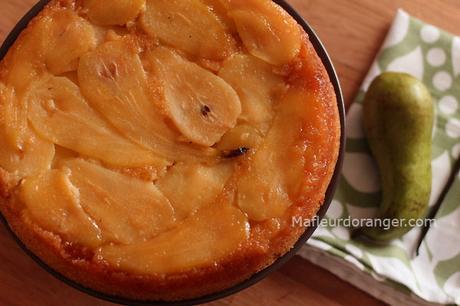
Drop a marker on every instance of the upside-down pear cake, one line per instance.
(160, 149)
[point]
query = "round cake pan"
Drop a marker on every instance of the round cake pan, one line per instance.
(320, 49)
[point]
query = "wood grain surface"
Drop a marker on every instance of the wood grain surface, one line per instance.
(352, 31)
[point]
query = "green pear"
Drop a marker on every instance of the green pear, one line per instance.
(398, 122)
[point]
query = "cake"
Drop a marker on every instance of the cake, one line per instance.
(161, 149)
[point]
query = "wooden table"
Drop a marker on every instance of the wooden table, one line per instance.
(352, 31)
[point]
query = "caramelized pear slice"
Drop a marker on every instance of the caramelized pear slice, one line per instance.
(201, 240)
(25, 59)
(68, 36)
(53, 44)
(117, 12)
(54, 203)
(21, 151)
(256, 85)
(190, 26)
(14, 117)
(192, 186)
(262, 193)
(128, 210)
(267, 31)
(220, 9)
(113, 80)
(201, 105)
(242, 136)
(60, 114)
(35, 157)
(277, 170)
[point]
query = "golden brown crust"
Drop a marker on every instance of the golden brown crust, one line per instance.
(269, 240)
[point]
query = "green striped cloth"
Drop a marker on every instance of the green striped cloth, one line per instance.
(391, 273)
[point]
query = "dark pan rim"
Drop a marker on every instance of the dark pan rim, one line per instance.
(320, 49)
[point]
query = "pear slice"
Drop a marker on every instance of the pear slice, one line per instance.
(192, 186)
(262, 192)
(25, 60)
(256, 85)
(117, 12)
(201, 105)
(267, 31)
(35, 157)
(128, 210)
(14, 117)
(190, 26)
(113, 80)
(54, 44)
(59, 113)
(277, 170)
(201, 240)
(242, 136)
(68, 36)
(54, 203)
(220, 9)
(21, 151)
